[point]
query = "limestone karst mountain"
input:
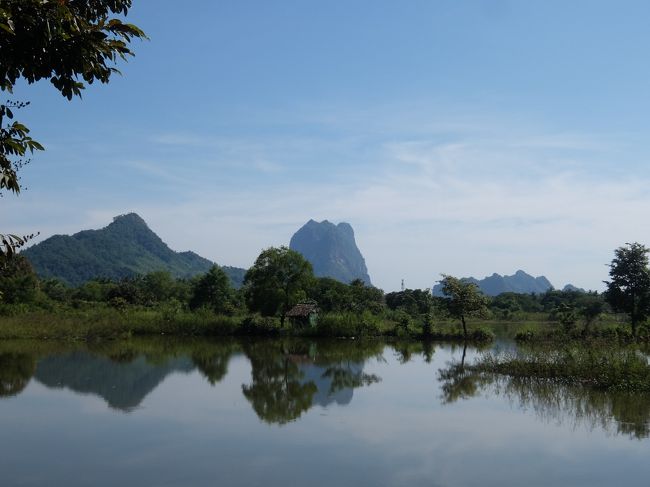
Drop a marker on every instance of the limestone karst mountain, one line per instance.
(332, 250)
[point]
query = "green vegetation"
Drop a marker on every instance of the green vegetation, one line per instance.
(208, 304)
(277, 281)
(602, 368)
(157, 303)
(629, 288)
(464, 300)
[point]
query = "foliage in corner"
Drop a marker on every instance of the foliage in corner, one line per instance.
(71, 43)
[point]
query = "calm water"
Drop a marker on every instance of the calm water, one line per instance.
(278, 413)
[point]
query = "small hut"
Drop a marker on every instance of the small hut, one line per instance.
(303, 314)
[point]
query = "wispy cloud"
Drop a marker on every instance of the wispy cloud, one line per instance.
(455, 198)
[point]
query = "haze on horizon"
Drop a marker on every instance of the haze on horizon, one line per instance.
(459, 137)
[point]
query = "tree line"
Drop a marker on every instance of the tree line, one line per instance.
(280, 278)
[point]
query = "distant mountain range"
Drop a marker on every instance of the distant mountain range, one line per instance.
(519, 282)
(124, 248)
(128, 247)
(332, 251)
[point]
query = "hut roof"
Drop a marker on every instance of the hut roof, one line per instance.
(302, 310)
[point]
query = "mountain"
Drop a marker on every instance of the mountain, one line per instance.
(124, 248)
(332, 251)
(493, 285)
(572, 288)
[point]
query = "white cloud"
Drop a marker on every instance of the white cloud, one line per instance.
(438, 197)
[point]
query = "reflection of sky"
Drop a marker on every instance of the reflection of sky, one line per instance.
(395, 432)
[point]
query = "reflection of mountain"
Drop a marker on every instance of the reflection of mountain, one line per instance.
(16, 369)
(123, 385)
(325, 393)
(335, 383)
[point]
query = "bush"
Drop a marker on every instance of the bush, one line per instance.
(348, 325)
(260, 325)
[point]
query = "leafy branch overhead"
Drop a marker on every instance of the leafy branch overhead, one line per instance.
(71, 43)
(14, 141)
(68, 42)
(9, 243)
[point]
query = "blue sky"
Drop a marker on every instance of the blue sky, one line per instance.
(459, 137)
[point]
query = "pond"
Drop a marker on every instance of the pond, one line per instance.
(297, 412)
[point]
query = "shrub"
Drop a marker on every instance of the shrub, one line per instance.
(348, 325)
(260, 325)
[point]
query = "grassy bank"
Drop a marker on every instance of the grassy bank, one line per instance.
(608, 332)
(110, 323)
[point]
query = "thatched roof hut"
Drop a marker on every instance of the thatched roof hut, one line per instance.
(304, 314)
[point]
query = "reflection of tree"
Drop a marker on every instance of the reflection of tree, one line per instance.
(16, 370)
(406, 349)
(290, 376)
(459, 381)
(276, 394)
(212, 359)
(622, 413)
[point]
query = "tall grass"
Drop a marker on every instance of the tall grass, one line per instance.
(107, 322)
(604, 368)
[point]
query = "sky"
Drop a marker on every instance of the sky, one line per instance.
(462, 137)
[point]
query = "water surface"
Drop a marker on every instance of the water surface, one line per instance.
(297, 412)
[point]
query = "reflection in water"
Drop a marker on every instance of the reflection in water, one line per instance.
(623, 413)
(276, 393)
(459, 382)
(406, 349)
(289, 377)
(616, 412)
(124, 373)
(212, 359)
(16, 369)
(122, 384)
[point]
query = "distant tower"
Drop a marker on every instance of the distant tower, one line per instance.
(402, 284)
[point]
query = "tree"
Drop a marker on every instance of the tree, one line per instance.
(18, 281)
(213, 291)
(366, 298)
(566, 315)
(159, 286)
(418, 303)
(68, 42)
(628, 291)
(464, 299)
(590, 307)
(278, 279)
(330, 294)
